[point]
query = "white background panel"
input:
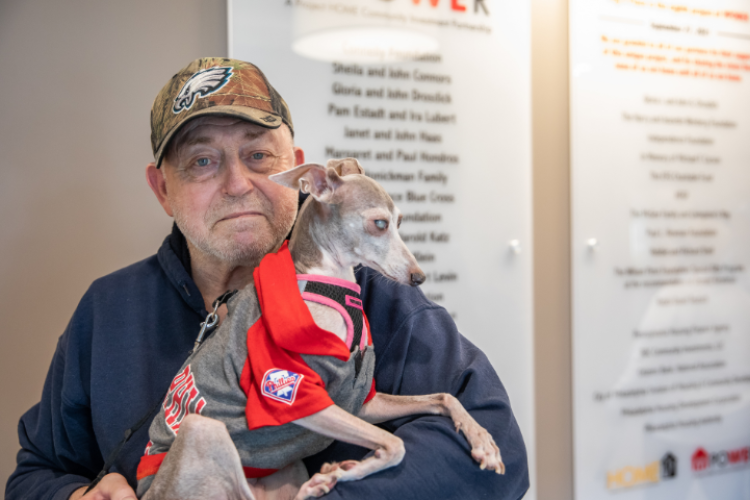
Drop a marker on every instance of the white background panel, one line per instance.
(487, 56)
(660, 109)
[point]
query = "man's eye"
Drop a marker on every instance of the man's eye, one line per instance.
(381, 224)
(203, 162)
(260, 161)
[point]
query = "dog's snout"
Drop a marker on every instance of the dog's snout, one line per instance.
(417, 278)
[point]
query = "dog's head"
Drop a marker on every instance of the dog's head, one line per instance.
(358, 222)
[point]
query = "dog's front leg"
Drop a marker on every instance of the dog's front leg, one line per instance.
(337, 423)
(384, 407)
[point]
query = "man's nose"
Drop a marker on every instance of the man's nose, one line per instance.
(237, 178)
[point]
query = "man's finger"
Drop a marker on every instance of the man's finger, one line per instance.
(118, 488)
(124, 492)
(112, 487)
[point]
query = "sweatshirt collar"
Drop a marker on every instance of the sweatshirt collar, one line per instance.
(174, 258)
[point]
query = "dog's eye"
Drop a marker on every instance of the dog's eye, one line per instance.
(381, 224)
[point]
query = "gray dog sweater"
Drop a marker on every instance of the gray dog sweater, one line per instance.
(213, 382)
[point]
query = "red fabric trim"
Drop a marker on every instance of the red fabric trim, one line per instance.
(371, 394)
(369, 333)
(252, 472)
(149, 465)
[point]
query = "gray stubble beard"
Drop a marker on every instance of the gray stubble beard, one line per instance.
(231, 252)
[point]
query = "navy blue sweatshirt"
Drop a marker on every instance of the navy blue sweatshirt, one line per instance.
(134, 328)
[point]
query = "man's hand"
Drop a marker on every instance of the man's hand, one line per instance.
(112, 487)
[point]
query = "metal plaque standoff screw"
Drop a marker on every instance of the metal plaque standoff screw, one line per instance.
(515, 246)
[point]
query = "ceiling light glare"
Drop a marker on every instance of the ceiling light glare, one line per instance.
(366, 45)
(362, 31)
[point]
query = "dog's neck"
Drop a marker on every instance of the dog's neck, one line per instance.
(313, 248)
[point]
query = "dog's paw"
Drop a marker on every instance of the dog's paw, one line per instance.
(483, 447)
(321, 483)
(345, 466)
(489, 460)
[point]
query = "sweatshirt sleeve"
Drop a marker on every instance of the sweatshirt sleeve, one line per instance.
(425, 355)
(59, 453)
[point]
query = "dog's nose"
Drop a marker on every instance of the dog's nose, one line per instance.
(417, 279)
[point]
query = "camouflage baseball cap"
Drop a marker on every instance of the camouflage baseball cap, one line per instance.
(215, 86)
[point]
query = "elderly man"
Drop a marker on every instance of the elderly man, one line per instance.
(219, 129)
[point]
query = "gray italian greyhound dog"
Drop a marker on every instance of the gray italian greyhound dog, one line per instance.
(347, 220)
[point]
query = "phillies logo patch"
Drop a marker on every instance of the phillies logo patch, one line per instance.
(201, 84)
(281, 385)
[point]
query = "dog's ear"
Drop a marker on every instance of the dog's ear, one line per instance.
(346, 166)
(313, 178)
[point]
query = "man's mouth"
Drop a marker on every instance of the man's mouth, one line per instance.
(237, 215)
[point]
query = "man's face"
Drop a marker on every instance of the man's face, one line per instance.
(217, 187)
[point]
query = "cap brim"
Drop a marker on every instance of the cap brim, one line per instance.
(252, 115)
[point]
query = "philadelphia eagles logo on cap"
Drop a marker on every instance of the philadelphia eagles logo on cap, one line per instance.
(201, 84)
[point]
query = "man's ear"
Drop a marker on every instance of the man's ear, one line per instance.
(313, 178)
(299, 156)
(346, 166)
(158, 185)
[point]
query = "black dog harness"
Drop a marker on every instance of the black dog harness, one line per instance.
(343, 296)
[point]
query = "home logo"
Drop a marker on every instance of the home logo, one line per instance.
(668, 466)
(700, 460)
(651, 473)
(704, 461)
(629, 476)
